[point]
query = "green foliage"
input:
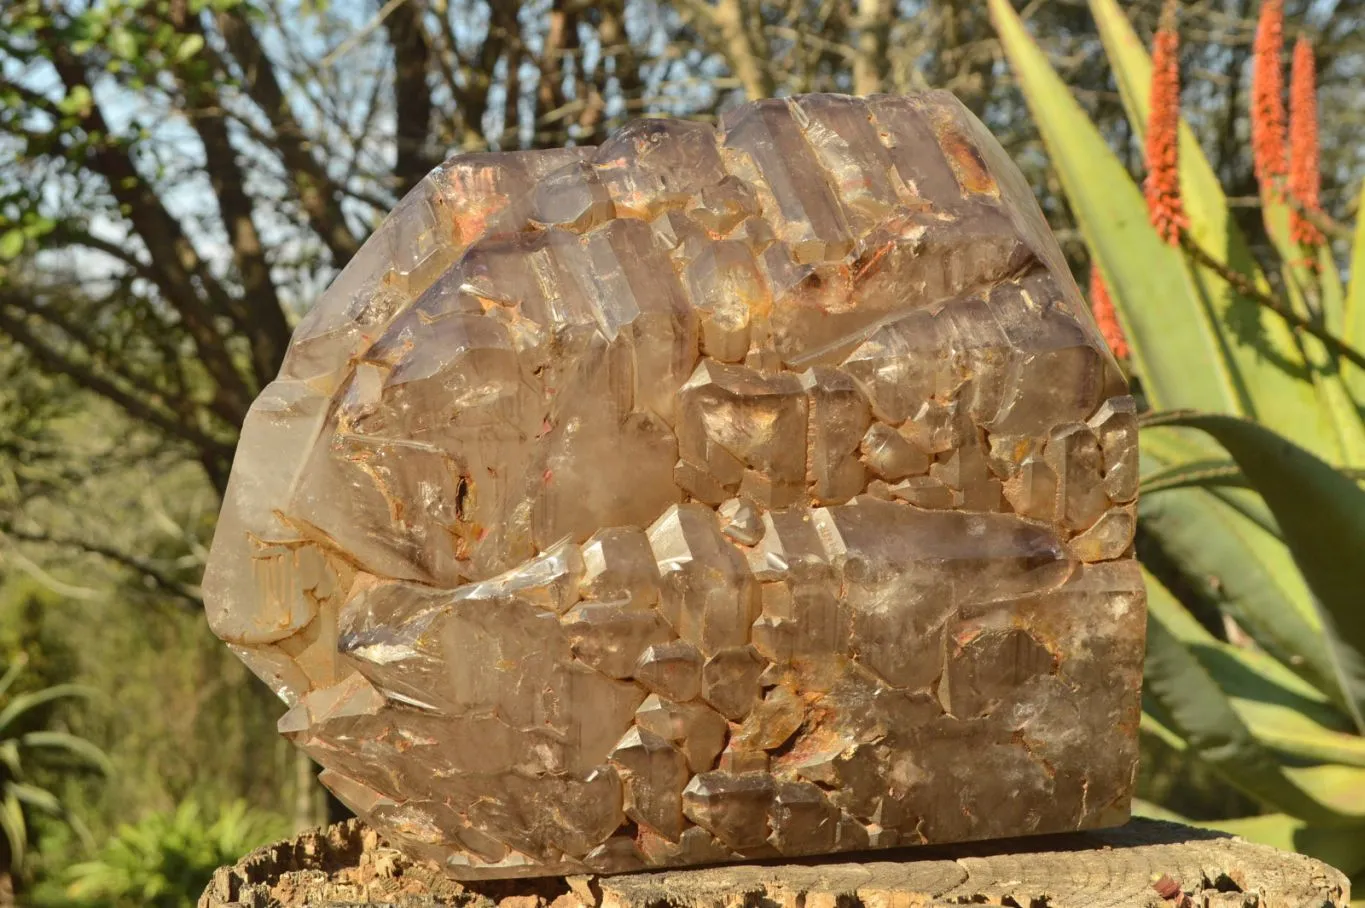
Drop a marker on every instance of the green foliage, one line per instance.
(26, 742)
(1256, 630)
(165, 860)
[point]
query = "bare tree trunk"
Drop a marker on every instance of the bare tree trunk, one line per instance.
(874, 26)
(744, 57)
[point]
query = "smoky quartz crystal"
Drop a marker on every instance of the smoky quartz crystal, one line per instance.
(710, 494)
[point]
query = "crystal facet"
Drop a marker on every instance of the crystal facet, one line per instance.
(708, 495)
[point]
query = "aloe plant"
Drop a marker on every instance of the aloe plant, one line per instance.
(1252, 450)
(22, 745)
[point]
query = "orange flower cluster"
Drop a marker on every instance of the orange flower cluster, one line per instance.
(1162, 186)
(1267, 99)
(1305, 178)
(1106, 318)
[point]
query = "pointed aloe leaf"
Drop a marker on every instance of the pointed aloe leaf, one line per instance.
(1262, 347)
(35, 797)
(1283, 711)
(14, 825)
(1344, 851)
(1204, 473)
(1239, 568)
(1213, 473)
(1274, 829)
(1333, 293)
(21, 704)
(1172, 446)
(1176, 345)
(77, 747)
(1297, 736)
(1302, 285)
(1321, 513)
(1200, 712)
(1353, 308)
(10, 674)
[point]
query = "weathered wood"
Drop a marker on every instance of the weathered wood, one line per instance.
(349, 865)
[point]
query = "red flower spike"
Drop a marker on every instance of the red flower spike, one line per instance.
(1162, 186)
(1106, 318)
(1267, 99)
(1305, 179)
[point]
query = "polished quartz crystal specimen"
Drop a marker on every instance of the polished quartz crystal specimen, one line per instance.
(709, 495)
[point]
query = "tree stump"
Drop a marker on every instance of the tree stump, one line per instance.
(1146, 863)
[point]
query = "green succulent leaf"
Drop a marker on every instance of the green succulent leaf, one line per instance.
(1321, 513)
(1353, 308)
(1261, 348)
(1235, 564)
(1343, 849)
(1333, 293)
(1200, 712)
(1170, 447)
(74, 745)
(1152, 287)
(1284, 712)
(1303, 285)
(1206, 472)
(37, 798)
(25, 702)
(14, 825)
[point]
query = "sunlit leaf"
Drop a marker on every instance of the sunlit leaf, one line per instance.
(1353, 316)
(1200, 712)
(122, 43)
(1321, 513)
(1283, 712)
(11, 244)
(1234, 565)
(1150, 283)
(190, 46)
(1267, 359)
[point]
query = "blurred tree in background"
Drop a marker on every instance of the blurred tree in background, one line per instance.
(180, 178)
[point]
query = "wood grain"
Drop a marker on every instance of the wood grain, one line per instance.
(349, 865)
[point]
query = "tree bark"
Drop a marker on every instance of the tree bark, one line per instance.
(412, 94)
(349, 865)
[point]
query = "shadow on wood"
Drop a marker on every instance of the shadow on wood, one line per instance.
(349, 865)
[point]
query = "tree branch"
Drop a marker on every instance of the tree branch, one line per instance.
(258, 313)
(412, 94)
(316, 192)
(189, 595)
(873, 24)
(139, 407)
(616, 43)
(739, 49)
(173, 255)
(550, 95)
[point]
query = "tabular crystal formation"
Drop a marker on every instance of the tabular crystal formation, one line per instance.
(700, 496)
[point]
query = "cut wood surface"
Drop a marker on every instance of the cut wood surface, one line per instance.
(349, 865)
